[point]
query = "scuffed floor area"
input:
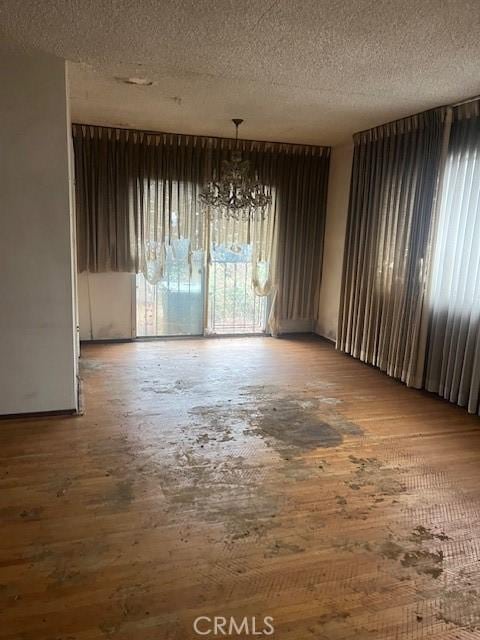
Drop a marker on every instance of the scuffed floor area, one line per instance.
(241, 477)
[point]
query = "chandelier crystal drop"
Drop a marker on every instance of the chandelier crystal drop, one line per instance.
(236, 194)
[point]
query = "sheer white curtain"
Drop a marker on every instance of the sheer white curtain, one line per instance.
(453, 363)
(259, 234)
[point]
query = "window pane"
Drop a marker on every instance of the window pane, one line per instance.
(174, 306)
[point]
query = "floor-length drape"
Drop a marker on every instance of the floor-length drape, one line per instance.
(392, 199)
(453, 367)
(302, 202)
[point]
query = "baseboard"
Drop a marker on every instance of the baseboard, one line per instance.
(108, 341)
(326, 338)
(298, 325)
(39, 414)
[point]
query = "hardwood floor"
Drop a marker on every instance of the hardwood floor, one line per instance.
(241, 478)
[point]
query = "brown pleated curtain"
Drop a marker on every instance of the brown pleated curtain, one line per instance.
(387, 252)
(107, 227)
(128, 183)
(114, 206)
(302, 187)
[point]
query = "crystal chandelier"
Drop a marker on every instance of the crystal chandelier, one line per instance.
(236, 195)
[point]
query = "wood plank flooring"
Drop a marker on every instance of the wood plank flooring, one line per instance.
(240, 478)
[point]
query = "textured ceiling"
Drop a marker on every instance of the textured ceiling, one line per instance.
(309, 71)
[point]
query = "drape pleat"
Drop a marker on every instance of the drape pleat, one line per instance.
(453, 365)
(392, 199)
(137, 191)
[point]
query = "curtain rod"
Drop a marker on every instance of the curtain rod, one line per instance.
(451, 105)
(466, 101)
(196, 135)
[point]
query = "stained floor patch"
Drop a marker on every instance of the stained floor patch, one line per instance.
(303, 420)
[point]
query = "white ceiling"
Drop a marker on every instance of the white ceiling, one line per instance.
(312, 71)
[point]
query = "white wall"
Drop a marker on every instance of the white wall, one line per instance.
(37, 318)
(106, 305)
(337, 207)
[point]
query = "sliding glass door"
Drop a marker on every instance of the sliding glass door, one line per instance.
(233, 307)
(176, 305)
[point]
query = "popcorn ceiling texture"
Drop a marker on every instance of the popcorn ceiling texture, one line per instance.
(311, 71)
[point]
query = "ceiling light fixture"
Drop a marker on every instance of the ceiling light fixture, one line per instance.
(141, 82)
(235, 195)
